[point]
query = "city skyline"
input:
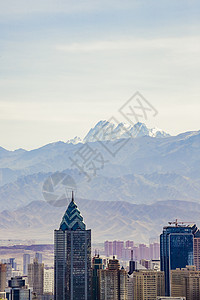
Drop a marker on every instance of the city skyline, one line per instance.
(114, 273)
(99, 151)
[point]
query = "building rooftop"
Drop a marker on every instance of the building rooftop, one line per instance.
(72, 219)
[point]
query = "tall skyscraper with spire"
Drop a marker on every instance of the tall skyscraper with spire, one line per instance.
(72, 250)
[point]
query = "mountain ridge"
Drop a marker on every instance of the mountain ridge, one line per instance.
(145, 171)
(154, 187)
(108, 220)
(137, 130)
(105, 130)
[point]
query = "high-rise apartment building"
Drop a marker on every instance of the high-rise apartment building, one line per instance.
(113, 282)
(148, 284)
(26, 262)
(3, 270)
(114, 248)
(9, 272)
(129, 244)
(154, 250)
(123, 250)
(136, 254)
(117, 248)
(176, 249)
(108, 248)
(36, 276)
(197, 250)
(143, 251)
(13, 263)
(38, 256)
(48, 281)
(72, 268)
(185, 282)
(126, 254)
(130, 287)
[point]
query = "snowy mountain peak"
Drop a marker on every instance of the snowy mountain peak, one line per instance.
(75, 140)
(105, 130)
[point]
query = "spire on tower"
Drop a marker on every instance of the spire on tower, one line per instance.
(72, 219)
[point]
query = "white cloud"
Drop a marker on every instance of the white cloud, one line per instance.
(182, 44)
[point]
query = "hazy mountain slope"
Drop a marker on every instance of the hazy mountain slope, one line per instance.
(30, 159)
(145, 170)
(108, 220)
(146, 188)
(141, 155)
(8, 175)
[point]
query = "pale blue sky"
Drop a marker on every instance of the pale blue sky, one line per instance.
(65, 65)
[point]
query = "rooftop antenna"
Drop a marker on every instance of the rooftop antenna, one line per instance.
(176, 223)
(72, 196)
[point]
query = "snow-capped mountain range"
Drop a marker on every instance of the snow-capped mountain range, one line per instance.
(105, 130)
(151, 170)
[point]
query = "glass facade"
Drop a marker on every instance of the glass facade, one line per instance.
(72, 252)
(176, 250)
(97, 264)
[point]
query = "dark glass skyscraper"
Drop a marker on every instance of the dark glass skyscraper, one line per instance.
(97, 264)
(176, 249)
(72, 243)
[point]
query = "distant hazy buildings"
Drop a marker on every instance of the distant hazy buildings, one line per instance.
(26, 262)
(176, 249)
(114, 248)
(123, 250)
(117, 248)
(108, 248)
(154, 251)
(113, 282)
(129, 244)
(8, 272)
(36, 276)
(13, 263)
(38, 256)
(72, 257)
